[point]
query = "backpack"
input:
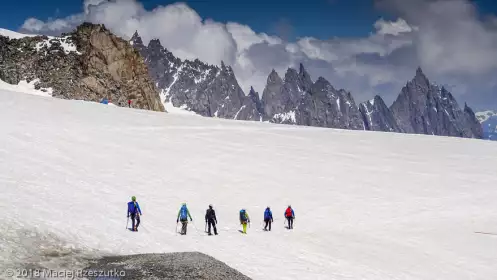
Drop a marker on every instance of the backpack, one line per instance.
(267, 214)
(210, 214)
(243, 216)
(288, 212)
(183, 213)
(132, 207)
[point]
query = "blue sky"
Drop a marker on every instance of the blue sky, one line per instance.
(321, 19)
(318, 18)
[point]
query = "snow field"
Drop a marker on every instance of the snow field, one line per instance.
(368, 205)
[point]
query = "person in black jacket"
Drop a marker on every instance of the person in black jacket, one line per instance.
(210, 219)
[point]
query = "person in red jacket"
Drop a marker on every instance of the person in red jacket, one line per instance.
(129, 103)
(290, 216)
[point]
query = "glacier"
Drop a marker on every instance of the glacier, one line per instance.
(368, 205)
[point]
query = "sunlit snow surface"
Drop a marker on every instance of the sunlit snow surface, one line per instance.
(368, 205)
(25, 87)
(14, 35)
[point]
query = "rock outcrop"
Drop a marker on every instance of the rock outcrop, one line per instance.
(207, 90)
(88, 64)
(424, 108)
(166, 266)
(251, 108)
(377, 116)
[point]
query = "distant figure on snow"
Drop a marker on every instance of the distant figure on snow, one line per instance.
(244, 219)
(129, 103)
(183, 215)
(135, 212)
(268, 218)
(210, 219)
(290, 216)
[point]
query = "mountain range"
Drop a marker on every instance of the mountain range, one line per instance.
(213, 91)
(91, 63)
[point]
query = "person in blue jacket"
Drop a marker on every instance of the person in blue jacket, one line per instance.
(135, 212)
(268, 218)
(183, 215)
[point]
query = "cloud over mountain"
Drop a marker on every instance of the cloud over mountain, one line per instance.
(448, 39)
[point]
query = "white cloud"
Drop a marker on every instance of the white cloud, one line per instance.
(397, 27)
(447, 38)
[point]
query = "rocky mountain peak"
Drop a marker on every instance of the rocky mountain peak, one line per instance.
(322, 86)
(423, 108)
(377, 116)
(274, 78)
(136, 38)
(90, 64)
(305, 78)
(291, 75)
(252, 92)
(420, 79)
(155, 45)
(302, 70)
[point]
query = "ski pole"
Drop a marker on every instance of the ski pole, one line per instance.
(205, 226)
(127, 221)
(176, 229)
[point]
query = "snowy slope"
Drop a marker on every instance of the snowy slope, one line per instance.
(368, 205)
(13, 35)
(25, 87)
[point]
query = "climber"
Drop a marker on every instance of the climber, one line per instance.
(135, 212)
(183, 215)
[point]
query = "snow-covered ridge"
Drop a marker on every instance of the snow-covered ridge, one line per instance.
(65, 42)
(14, 35)
(25, 87)
(485, 115)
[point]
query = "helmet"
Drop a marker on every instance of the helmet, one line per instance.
(133, 198)
(289, 206)
(184, 204)
(210, 205)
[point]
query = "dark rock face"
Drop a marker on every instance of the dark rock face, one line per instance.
(167, 266)
(207, 90)
(377, 116)
(297, 100)
(88, 64)
(325, 106)
(472, 122)
(251, 109)
(272, 96)
(423, 108)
